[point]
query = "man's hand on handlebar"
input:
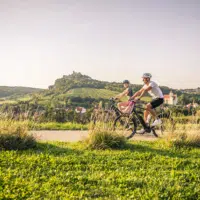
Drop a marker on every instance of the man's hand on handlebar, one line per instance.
(134, 99)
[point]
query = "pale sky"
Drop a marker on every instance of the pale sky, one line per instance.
(111, 40)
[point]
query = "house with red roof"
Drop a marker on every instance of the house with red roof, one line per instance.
(171, 99)
(80, 110)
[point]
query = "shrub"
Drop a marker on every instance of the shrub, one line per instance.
(105, 139)
(184, 139)
(198, 113)
(14, 136)
(187, 140)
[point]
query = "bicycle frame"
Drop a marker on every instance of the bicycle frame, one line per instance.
(114, 108)
(136, 116)
(133, 112)
(139, 117)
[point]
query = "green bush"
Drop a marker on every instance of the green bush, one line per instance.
(16, 142)
(187, 119)
(105, 139)
(14, 136)
(186, 140)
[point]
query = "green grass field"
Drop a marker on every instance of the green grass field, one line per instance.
(91, 92)
(143, 170)
(57, 126)
(77, 92)
(31, 125)
(7, 102)
(97, 93)
(13, 101)
(25, 98)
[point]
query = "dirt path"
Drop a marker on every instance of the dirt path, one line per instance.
(75, 136)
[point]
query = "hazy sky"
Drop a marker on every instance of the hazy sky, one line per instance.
(42, 40)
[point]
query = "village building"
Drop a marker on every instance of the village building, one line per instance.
(80, 110)
(171, 99)
(192, 105)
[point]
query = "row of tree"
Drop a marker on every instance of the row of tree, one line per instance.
(185, 99)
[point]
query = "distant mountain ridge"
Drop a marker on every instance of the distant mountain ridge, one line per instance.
(12, 91)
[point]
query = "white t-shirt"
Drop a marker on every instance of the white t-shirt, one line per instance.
(155, 92)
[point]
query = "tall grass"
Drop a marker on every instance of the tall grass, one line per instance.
(102, 136)
(14, 136)
(184, 139)
(31, 125)
(184, 135)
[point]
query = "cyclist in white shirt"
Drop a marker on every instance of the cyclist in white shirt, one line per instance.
(158, 98)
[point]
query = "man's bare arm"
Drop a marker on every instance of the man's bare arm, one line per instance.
(138, 93)
(141, 93)
(144, 91)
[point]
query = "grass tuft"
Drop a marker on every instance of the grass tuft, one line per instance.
(103, 137)
(14, 136)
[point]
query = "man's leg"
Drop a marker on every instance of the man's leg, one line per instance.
(153, 113)
(146, 113)
(149, 110)
(154, 104)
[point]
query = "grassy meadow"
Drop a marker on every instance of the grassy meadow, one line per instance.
(106, 166)
(142, 170)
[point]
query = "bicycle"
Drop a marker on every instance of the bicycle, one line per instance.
(129, 122)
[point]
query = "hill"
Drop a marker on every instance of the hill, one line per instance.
(75, 89)
(77, 80)
(14, 92)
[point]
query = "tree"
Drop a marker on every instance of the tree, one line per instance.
(183, 99)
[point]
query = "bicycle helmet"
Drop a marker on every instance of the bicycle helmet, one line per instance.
(146, 75)
(126, 81)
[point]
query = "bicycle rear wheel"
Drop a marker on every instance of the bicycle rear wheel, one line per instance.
(126, 125)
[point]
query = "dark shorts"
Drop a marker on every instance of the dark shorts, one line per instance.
(157, 102)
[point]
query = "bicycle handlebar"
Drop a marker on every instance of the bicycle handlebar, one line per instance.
(114, 100)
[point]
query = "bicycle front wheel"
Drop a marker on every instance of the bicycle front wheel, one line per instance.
(126, 126)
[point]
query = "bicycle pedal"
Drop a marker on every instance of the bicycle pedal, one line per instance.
(141, 132)
(148, 130)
